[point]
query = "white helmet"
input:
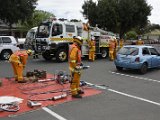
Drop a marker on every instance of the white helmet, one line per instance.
(114, 37)
(78, 39)
(92, 38)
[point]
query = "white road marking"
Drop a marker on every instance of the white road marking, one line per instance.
(135, 97)
(142, 78)
(125, 94)
(53, 113)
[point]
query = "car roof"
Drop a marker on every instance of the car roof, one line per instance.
(139, 46)
(6, 36)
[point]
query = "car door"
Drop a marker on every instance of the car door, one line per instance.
(155, 57)
(146, 56)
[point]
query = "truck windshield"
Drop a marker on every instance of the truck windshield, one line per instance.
(30, 34)
(43, 31)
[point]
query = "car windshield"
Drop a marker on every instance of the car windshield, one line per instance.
(128, 51)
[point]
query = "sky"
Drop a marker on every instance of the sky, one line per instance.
(71, 9)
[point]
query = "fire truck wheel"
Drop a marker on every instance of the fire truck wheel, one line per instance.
(46, 55)
(104, 53)
(61, 55)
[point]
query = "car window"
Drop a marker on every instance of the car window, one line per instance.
(6, 40)
(153, 51)
(128, 51)
(145, 51)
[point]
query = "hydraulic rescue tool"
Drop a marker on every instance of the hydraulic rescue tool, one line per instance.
(61, 77)
(64, 95)
(32, 104)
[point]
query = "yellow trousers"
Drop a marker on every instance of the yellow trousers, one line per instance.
(92, 55)
(114, 53)
(75, 83)
(111, 55)
(18, 71)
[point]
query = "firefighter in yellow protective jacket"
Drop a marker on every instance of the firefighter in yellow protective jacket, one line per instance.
(92, 49)
(18, 61)
(121, 43)
(111, 49)
(115, 48)
(74, 65)
(139, 42)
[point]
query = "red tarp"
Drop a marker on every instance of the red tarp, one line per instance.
(11, 88)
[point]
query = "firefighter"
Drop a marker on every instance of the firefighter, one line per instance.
(92, 49)
(115, 48)
(121, 43)
(74, 65)
(18, 61)
(139, 42)
(111, 49)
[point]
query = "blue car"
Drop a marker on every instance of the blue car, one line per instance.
(140, 57)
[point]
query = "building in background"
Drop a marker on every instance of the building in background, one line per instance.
(16, 31)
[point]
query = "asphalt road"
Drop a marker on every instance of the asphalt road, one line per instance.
(129, 95)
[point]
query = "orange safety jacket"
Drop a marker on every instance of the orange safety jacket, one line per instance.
(112, 45)
(121, 42)
(74, 57)
(19, 57)
(92, 46)
(139, 42)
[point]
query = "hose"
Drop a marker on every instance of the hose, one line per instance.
(12, 107)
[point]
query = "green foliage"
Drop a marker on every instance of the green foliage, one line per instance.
(118, 16)
(14, 10)
(90, 12)
(131, 35)
(37, 17)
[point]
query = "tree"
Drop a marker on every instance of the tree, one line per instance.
(37, 17)
(89, 11)
(14, 10)
(119, 16)
(131, 35)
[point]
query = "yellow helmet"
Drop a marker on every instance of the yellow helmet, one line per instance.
(29, 52)
(78, 40)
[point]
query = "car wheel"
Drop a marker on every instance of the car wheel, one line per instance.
(119, 68)
(5, 54)
(143, 68)
(61, 55)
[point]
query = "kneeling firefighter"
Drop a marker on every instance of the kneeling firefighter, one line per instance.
(18, 60)
(74, 65)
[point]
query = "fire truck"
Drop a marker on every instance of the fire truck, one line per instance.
(53, 37)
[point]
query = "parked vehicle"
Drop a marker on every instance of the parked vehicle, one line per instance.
(21, 43)
(140, 57)
(8, 45)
